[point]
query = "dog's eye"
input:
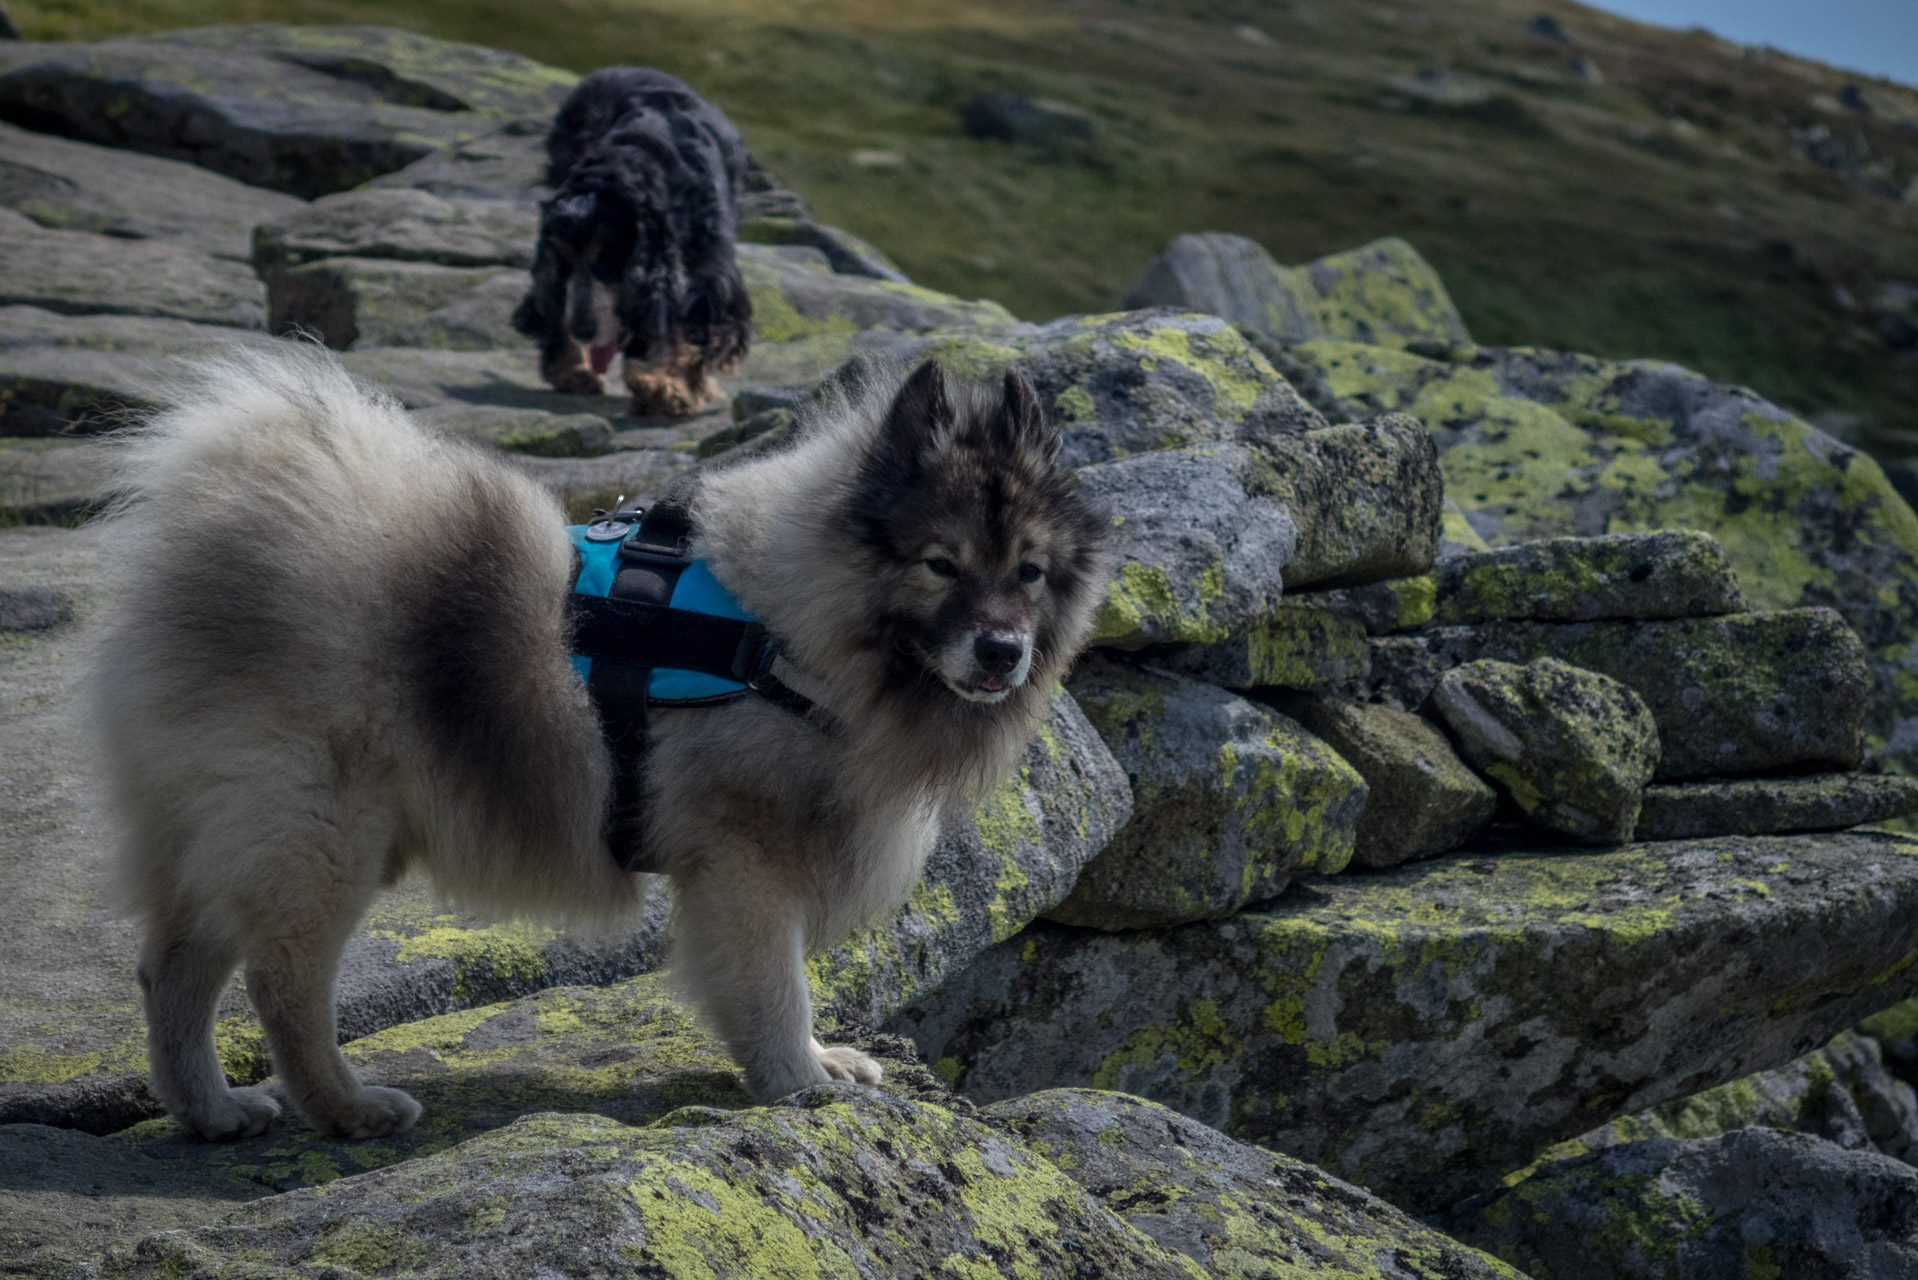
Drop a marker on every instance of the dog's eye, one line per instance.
(943, 567)
(1029, 572)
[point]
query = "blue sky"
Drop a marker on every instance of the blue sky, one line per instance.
(1875, 36)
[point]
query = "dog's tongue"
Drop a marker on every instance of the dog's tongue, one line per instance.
(992, 686)
(603, 356)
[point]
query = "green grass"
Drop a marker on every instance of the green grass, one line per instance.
(1561, 213)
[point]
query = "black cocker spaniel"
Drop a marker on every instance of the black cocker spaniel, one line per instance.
(636, 244)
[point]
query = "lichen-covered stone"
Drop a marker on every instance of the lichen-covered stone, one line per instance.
(1291, 646)
(1572, 748)
(1200, 545)
(1239, 1212)
(1230, 801)
(406, 224)
(1675, 573)
(1744, 693)
(1397, 604)
(350, 303)
(839, 1180)
(1753, 806)
(505, 163)
(75, 186)
(1422, 799)
(1368, 499)
(992, 872)
(586, 484)
(1752, 1203)
(1538, 444)
(84, 273)
(846, 253)
(1382, 292)
(1424, 1029)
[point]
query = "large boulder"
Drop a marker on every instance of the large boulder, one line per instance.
(85, 273)
(1539, 444)
(1383, 292)
(305, 110)
(1572, 748)
(1230, 801)
(75, 186)
(1425, 1029)
(1743, 693)
(1421, 798)
(1239, 1212)
(406, 224)
(1755, 1202)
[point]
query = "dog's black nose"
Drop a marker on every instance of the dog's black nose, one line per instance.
(997, 656)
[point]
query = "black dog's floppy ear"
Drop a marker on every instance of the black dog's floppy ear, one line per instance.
(1021, 420)
(921, 409)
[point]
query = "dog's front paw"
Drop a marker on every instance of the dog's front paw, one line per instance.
(236, 1114)
(659, 395)
(580, 381)
(373, 1112)
(843, 1062)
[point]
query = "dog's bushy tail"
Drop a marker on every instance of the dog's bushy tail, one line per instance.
(305, 576)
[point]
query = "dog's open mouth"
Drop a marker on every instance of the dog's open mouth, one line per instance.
(603, 356)
(986, 689)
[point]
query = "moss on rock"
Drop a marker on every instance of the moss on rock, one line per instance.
(1293, 645)
(1675, 573)
(1230, 801)
(1752, 806)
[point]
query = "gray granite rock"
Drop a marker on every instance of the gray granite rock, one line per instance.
(57, 481)
(34, 608)
(1426, 1029)
(1752, 1202)
(1421, 800)
(1200, 544)
(1368, 499)
(76, 186)
(1745, 693)
(507, 163)
(1230, 801)
(1292, 646)
(408, 224)
(1032, 122)
(1674, 573)
(349, 303)
(1753, 806)
(1237, 1211)
(84, 273)
(1382, 292)
(846, 253)
(1572, 749)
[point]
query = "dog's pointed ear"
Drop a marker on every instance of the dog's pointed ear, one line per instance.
(921, 410)
(1021, 418)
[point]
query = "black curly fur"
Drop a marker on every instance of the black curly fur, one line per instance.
(647, 180)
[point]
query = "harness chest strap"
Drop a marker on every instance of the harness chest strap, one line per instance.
(636, 648)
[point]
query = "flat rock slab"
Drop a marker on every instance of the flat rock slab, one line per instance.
(1675, 573)
(1754, 806)
(76, 186)
(1235, 1210)
(1383, 292)
(304, 110)
(1290, 647)
(350, 303)
(1012, 859)
(1423, 1030)
(1753, 1202)
(52, 481)
(507, 163)
(1540, 444)
(1572, 748)
(83, 273)
(1230, 801)
(1745, 693)
(1421, 799)
(407, 224)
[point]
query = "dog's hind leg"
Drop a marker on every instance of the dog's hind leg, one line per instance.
(297, 933)
(181, 977)
(568, 369)
(740, 951)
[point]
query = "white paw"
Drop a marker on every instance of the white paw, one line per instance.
(845, 1063)
(373, 1113)
(236, 1114)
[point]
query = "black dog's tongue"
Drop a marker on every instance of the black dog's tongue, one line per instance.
(603, 356)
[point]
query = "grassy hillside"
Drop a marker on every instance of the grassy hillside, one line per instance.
(1649, 200)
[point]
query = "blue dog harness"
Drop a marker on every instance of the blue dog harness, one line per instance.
(652, 626)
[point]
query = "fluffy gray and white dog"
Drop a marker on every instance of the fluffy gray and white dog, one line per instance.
(339, 651)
